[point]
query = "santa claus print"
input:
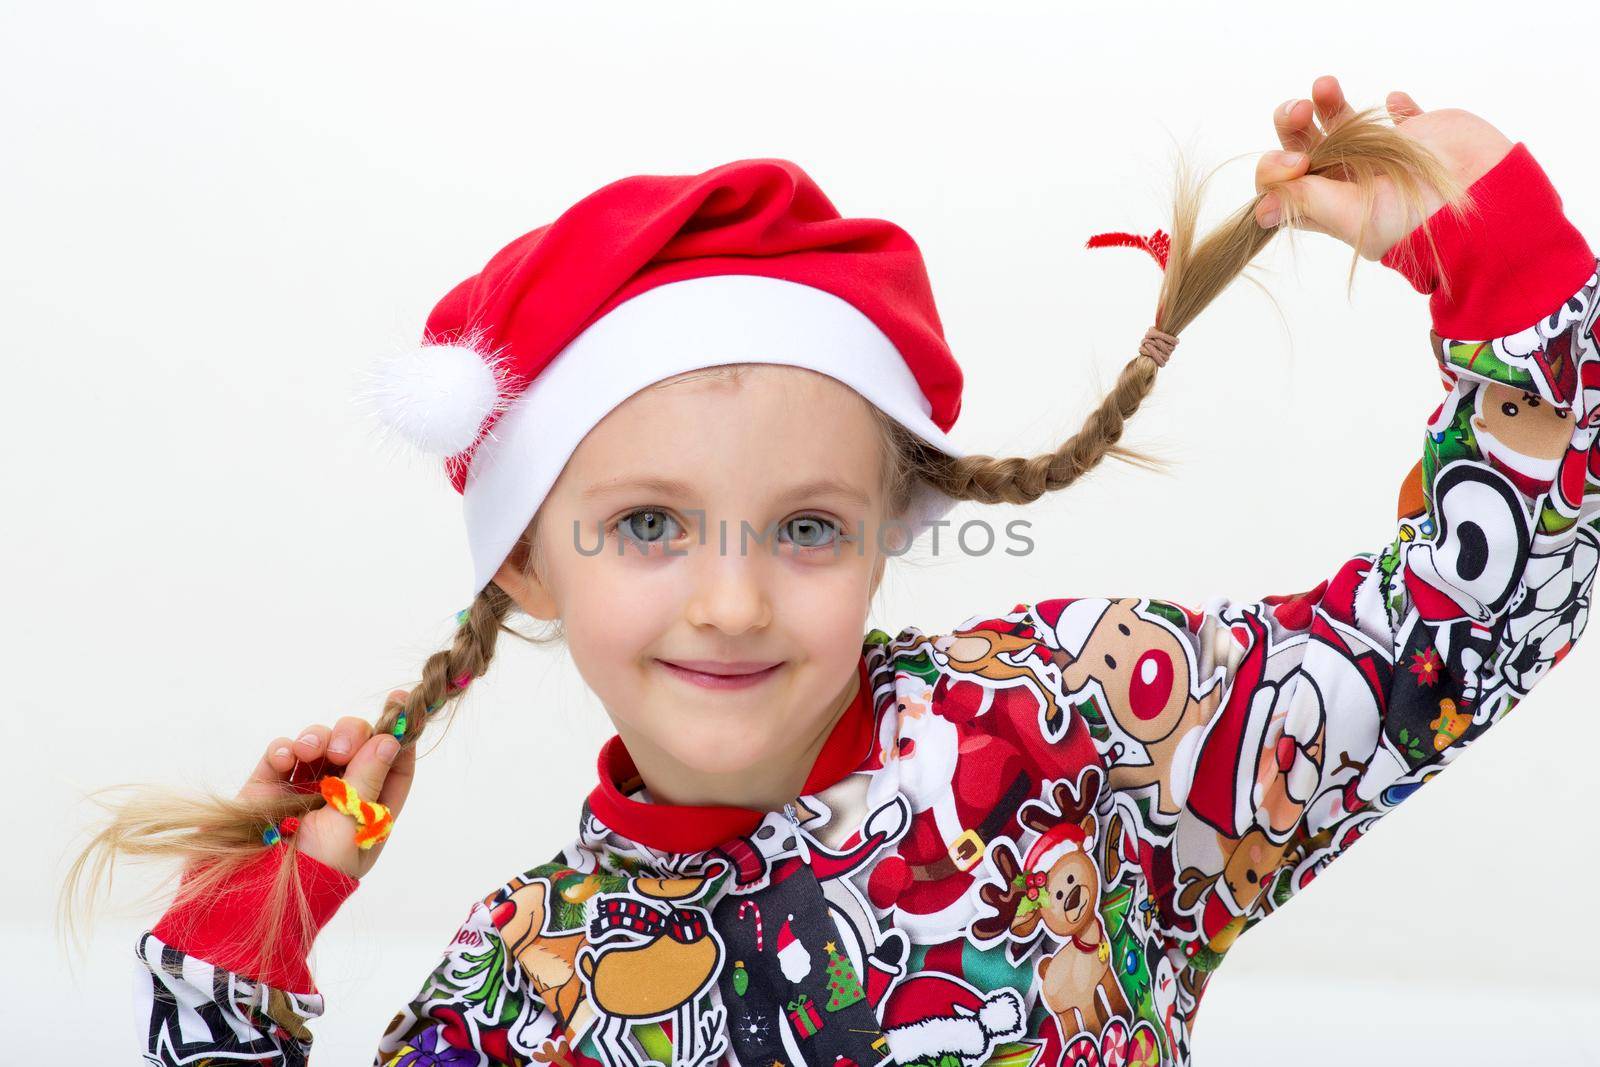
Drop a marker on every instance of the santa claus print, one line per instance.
(793, 958)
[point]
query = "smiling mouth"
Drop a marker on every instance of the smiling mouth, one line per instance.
(735, 669)
(710, 674)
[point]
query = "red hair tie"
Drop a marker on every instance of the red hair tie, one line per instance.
(1156, 344)
(1157, 244)
(273, 834)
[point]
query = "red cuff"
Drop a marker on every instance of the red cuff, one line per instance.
(215, 930)
(1509, 266)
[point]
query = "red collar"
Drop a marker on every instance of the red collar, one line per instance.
(697, 827)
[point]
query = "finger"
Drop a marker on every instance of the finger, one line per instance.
(1401, 106)
(1296, 131)
(275, 764)
(348, 735)
(397, 785)
(1328, 96)
(1278, 167)
(370, 766)
(311, 743)
(1323, 205)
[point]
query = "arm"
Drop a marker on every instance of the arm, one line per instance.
(197, 996)
(1247, 746)
(202, 992)
(203, 1000)
(1215, 761)
(1407, 656)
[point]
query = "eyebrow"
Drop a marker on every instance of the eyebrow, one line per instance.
(672, 487)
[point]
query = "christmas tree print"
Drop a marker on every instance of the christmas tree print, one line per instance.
(1128, 962)
(844, 986)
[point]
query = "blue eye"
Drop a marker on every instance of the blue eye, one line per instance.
(811, 527)
(645, 526)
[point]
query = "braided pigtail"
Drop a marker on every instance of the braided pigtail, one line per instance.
(447, 674)
(1362, 150)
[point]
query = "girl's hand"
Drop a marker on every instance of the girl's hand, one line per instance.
(351, 751)
(1466, 144)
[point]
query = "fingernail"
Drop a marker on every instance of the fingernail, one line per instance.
(1270, 218)
(339, 747)
(307, 739)
(388, 748)
(281, 752)
(1290, 159)
(1288, 105)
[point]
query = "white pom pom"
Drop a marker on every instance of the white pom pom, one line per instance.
(1001, 1014)
(434, 396)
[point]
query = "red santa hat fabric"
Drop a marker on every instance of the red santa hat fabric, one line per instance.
(1054, 843)
(930, 1016)
(645, 278)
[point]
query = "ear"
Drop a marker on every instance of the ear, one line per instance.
(525, 589)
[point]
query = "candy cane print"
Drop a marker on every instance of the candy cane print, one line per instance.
(753, 906)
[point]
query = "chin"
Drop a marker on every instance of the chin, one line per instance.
(718, 751)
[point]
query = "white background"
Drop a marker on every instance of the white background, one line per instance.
(216, 215)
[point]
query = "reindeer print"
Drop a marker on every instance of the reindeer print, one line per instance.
(1143, 667)
(651, 957)
(1055, 889)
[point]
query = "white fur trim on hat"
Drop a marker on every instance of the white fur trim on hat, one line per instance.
(1001, 1015)
(968, 1034)
(667, 330)
(934, 1037)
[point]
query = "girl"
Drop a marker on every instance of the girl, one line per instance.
(1029, 840)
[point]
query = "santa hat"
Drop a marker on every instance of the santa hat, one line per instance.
(930, 1015)
(1053, 844)
(785, 936)
(1220, 789)
(643, 279)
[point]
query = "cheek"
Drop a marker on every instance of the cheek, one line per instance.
(613, 609)
(823, 609)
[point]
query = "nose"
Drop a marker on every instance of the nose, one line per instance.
(730, 592)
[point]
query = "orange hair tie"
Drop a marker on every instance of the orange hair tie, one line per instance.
(373, 820)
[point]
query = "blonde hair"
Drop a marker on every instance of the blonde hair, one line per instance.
(211, 836)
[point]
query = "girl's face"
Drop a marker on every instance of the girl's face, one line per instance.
(702, 522)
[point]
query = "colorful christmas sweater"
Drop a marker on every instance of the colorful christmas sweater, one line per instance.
(1032, 840)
